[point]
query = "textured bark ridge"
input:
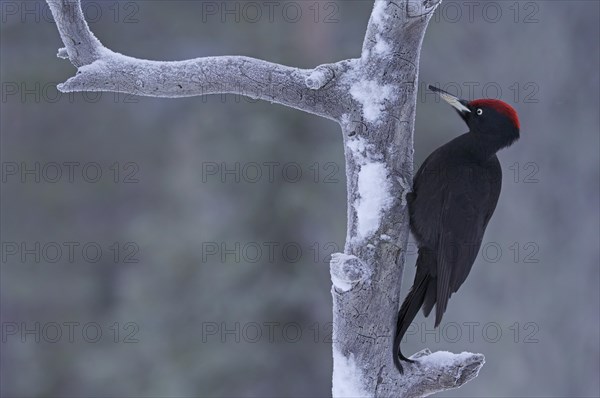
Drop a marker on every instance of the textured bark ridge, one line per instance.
(374, 99)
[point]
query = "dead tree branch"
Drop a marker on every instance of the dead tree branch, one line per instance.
(374, 100)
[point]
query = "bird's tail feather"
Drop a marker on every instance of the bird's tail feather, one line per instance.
(409, 309)
(430, 298)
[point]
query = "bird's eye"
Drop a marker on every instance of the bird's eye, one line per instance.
(479, 111)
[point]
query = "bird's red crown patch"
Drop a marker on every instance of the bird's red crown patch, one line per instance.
(499, 106)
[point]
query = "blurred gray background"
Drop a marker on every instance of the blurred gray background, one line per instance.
(164, 276)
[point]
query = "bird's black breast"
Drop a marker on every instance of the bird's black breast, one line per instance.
(455, 192)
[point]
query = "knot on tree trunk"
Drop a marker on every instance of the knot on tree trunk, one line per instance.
(347, 271)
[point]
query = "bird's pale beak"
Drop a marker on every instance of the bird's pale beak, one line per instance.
(457, 103)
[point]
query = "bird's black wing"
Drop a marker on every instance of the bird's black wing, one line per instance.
(429, 188)
(465, 212)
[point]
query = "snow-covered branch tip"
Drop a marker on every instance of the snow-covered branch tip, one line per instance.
(315, 91)
(320, 76)
(439, 371)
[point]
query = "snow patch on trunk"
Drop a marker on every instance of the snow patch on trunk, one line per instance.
(372, 97)
(379, 14)
(381, 46)
(374, 190)
(347, 378)
(374, 187)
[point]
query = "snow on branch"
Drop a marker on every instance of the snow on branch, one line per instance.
(429, 374)
(374, 100)
(100, 69)
(439, 371)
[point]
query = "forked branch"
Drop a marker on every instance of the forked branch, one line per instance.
(374, 100)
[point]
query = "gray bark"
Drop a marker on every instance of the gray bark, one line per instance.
(374, 100)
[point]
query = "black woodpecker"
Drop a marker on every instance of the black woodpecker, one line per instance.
(455, 192)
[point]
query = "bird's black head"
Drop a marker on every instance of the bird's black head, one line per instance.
(491, 117)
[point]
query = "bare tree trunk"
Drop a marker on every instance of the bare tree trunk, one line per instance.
(374, 99)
